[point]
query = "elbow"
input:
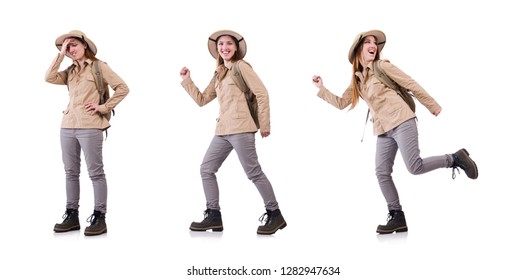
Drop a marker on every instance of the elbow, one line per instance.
(124, 88)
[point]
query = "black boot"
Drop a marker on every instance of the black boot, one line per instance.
(395, 223)
(273, 221)
(462, 160)
(211, 221)
(97, 224)
(71, 221)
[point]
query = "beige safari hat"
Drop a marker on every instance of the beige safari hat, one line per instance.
(212, 42)
(76, 34)
(380, 39)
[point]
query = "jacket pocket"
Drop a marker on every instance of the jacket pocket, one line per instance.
(393, 112)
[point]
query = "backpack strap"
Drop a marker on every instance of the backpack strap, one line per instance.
(249, 96)
(380, 74)
(97, 74)
(365, 125)
(238, 78)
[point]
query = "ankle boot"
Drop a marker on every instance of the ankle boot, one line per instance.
(273, 221)
(97, 224)
(395, 223)
(212, 220)
(71, 221)
(462, 160)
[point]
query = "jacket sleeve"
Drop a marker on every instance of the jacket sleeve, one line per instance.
(334, 100)
(200, 98)
(53, 76)
(407, 82)
(255, 84)
(117, 84)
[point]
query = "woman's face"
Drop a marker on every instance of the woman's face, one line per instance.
(226, 47)
(76, 49)
(369, 49)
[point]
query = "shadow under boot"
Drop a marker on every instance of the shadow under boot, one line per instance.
(395, 223)
(273, 221)
(212, 220)
(71, 221)
(97, 224)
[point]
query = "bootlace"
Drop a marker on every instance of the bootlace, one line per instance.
(67, 214)
(389, 217)
(453, 175)
(206, 213)
(264, 218)
(92, 219)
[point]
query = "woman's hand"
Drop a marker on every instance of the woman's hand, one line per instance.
(64, 48)
(265, 134)
(185, 73)
(317, 81)
(91, 108)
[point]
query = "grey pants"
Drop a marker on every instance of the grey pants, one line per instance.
(404, 138)
(90, 142)
(218, 151)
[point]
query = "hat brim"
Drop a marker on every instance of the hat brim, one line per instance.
(212, 42)
(60, 40)
(380, 41)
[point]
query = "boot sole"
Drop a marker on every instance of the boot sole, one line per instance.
(474, 165)
(400, 229)
(93, 233)
(216, 228)
(67, 229)
(282, 226)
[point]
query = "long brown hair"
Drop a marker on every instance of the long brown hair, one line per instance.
(88, 53)
(358, 67)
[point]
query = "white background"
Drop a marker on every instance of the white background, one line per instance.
(469, 55)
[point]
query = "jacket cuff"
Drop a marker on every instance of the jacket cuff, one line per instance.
(186, 82)
(103, 109)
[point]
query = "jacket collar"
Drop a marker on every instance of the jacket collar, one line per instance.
(368, 69)
(229, 64)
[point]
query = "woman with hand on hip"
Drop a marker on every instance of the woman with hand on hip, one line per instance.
(83, 125)
(394, 122)
(235, 129)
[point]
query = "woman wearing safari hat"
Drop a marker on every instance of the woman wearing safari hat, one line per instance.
(394, 122)
(83, 125)
(235, 129)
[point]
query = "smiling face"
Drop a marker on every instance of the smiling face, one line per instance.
(226, 47)
(76, 49)
(369, 49)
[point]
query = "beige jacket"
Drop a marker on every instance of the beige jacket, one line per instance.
(234, 115)
(82, 89)
(388, 110)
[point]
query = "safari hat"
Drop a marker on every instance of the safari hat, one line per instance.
(380, 41)
(212, 42)
(76, 34)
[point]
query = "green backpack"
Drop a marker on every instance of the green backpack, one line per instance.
(249, 95)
